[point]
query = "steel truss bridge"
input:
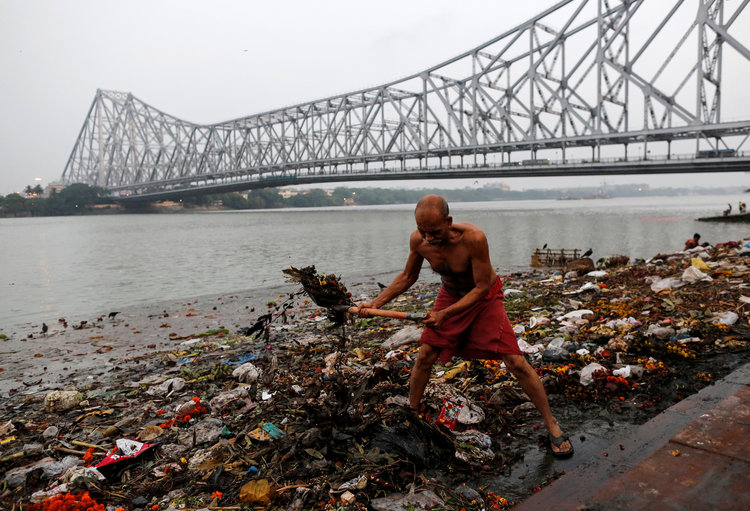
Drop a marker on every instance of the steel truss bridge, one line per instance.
(587, 87)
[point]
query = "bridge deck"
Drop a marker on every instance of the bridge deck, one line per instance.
(253, 181)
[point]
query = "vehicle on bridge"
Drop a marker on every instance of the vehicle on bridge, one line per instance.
(716, 153)
(537, 161)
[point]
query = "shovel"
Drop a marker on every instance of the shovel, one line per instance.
(329, 292)
(414, 316)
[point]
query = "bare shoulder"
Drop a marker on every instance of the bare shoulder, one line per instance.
(415, 239)
(470, 232)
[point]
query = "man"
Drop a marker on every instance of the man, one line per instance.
(692, 242)
(468, 318)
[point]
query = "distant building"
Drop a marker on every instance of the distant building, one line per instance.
(105, 206)
(54, 186)
(502, 185)
(167, 204)
(286, 193)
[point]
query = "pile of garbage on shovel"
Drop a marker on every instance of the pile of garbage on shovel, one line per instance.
(289, 414)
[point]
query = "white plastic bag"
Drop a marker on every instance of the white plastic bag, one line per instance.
(662, 332)
(623, 371)
(587, 373)
(576, 314)
(693, 274)
(557, 342)
(668, 283)
(247, 373)
(586, 287)
(726, 318)
(534, 321)
(526, 347)
(597, 273)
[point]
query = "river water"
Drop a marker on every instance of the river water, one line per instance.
(65, 266)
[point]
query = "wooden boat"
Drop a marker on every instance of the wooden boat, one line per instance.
(553, 257)
(740, 217)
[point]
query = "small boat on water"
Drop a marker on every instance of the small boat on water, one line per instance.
(740, 217)
(553, 256)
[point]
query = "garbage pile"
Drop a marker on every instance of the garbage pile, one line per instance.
(285, 414)
(325, 290)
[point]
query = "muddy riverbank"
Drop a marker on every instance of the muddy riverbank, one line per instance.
(262, 401)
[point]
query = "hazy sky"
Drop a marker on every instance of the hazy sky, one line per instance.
(210, 61)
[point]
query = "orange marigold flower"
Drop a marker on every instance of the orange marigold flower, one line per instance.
(68, 502)
(89, 456)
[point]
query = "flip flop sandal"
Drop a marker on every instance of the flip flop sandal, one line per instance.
(557, 441)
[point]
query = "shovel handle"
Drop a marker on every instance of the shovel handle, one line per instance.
(415, 316)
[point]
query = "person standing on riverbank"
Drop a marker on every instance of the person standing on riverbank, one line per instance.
(468, 318)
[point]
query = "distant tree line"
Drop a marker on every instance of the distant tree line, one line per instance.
(74, 199)
(269, 198)
(82, 199)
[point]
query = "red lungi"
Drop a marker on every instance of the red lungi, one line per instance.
(482, 331)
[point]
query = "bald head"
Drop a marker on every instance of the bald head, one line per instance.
(432, 204)
(433, 221)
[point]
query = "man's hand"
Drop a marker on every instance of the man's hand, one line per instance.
(434, 319)
(361, 312)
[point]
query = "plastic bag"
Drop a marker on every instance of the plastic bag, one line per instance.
(725, 318)
(526, 347)
(534, 321)
(693, 274)
(623, 372)
(557, 342)
(587, 373)
(669, 283)
(577, 314)
(119, 458)
(597, 273)
(700, 264)
(586, 287)
(449, 414)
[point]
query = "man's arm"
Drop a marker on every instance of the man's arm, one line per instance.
(403, 280)
(482, 271)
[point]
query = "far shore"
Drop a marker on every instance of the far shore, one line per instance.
(81, 199)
